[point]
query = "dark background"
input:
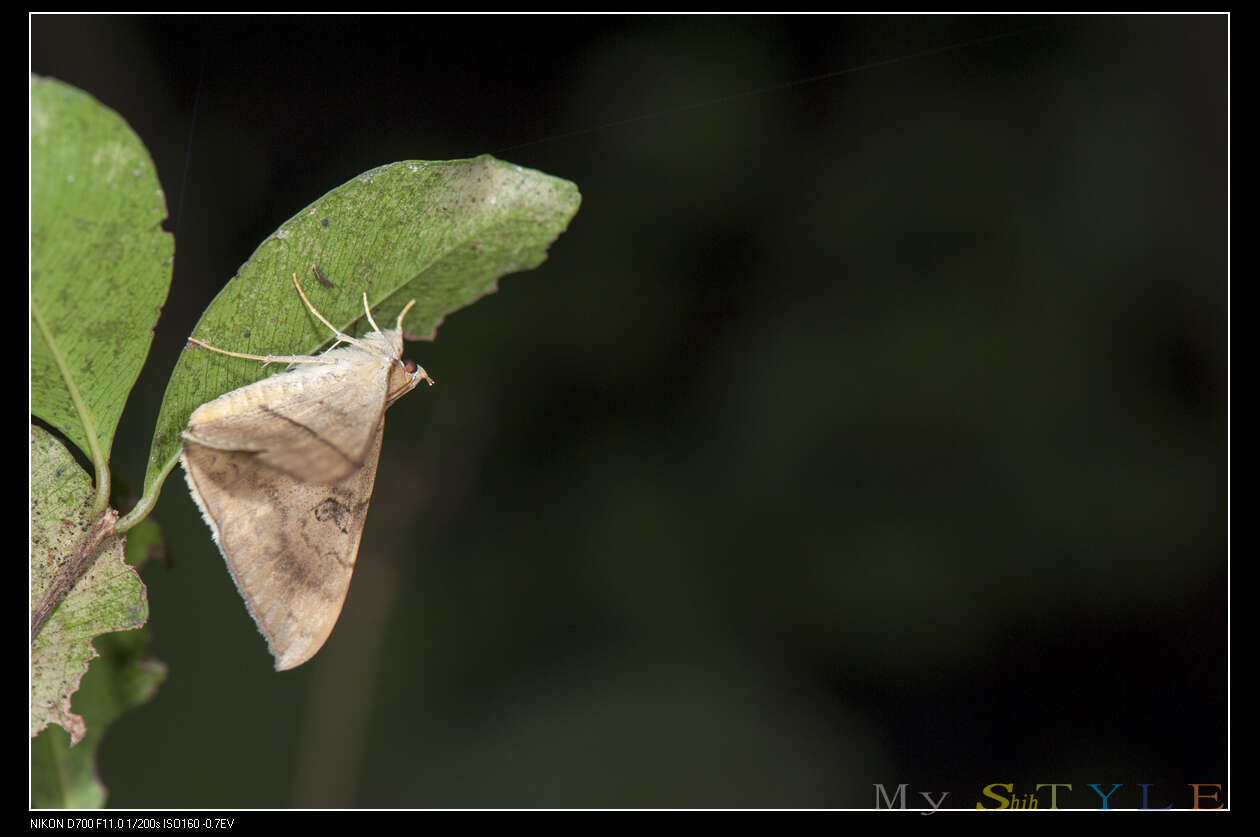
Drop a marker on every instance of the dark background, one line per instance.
(868, 429)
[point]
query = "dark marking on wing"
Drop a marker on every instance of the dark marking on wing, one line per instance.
(331, 510)
(355, 462)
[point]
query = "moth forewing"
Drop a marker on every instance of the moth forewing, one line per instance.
(282, 470)
(313, 422)
(290, 545)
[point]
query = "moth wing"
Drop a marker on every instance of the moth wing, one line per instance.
(289, 544)
(314, 423)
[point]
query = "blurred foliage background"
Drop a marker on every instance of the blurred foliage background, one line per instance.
(867, 429)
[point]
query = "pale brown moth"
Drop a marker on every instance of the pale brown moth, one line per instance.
(282, 470)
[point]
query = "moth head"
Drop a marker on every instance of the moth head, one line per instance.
(405, 376)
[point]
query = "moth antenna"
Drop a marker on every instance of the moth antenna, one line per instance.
(266, 359)
(403, 313)
(368, 311)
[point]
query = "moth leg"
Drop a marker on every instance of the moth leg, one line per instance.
(368, 311)
(341, 337)
(266, 359)
(401, 313)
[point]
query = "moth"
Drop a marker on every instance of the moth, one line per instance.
(282, 470)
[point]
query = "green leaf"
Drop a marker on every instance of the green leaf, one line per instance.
(108, 596)
(100, 271)
(63, 776)
(100, 265)
(439, 232)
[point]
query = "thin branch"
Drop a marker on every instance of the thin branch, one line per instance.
(70, 572)
(145, 504)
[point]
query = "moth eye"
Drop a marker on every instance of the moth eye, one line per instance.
(411, 366)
